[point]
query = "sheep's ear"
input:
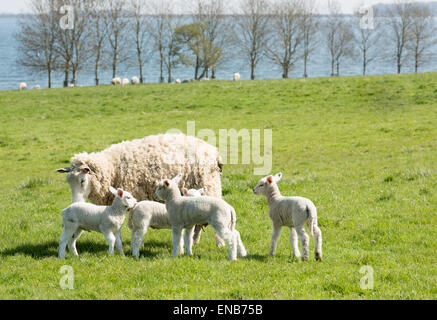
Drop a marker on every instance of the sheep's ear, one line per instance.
(167, 183)
(177, 179)
(270, 179)
(120, 193)
(64, 170)
(278, 176)
(85, 170)
(185, 191)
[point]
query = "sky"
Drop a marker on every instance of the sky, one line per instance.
(19, 6)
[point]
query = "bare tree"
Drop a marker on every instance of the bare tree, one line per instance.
(64, 43)
(116, 28)
(172, 47)
(98, 36)
(140, 23)
(339, 37)
(254, 30)
(368, 39)
(37, 38)
(399, 21)
(310, 28)
(287, 29)
(423, 34)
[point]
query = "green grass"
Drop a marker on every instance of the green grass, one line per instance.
(364, 149)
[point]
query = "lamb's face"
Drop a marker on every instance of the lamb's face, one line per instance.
(192, 192)
(266, 183)
(79, 181)
(126, 197)
(167, 187)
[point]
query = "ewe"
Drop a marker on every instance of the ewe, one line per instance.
(116, 81)
(135, 80)
(292, 212)
(22, 86)
(107, 220)
(137, 166)
(125, 82)
(186, 212)
(236, 76)
(151, 214)
(37, 87)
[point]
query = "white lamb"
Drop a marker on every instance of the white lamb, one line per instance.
(292, 212)
(116, 81)
(135, 80)
(236, 76)
(107, 220)
(22, 86)
(186, 212)
(125, 82)
(151, 214)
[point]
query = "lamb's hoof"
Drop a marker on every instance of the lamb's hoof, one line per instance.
(304, 259)
(318, 256)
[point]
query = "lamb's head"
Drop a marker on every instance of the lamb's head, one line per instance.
(79, 180)
(192, 192)
(167, 188)
(266, 184)
(125, 197)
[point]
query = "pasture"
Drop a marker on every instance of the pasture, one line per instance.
(363, 149)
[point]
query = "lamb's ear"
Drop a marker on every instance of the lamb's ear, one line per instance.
(113, 191)
(64, 170)
(167, 183)
(177, 179)
(120, 193)
(269, 179)
(185, 191)
(278, 176)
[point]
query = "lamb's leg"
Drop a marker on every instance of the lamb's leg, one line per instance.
(197, 233)
(304, 241)
(110, 238)
(318, 243)
(241, 250)
(119, 243)
(219, 241)
(275, 236)
(189, 241)
(230, 238)
(137, 239)
(294, 243)
(63, 241)
(72, 242)
(176, 239)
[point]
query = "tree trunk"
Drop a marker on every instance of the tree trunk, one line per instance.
(49, 71)
(305, 62)
(67, 75)
(252, 70)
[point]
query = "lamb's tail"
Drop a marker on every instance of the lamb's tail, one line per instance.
(312, 219)
(233, 218)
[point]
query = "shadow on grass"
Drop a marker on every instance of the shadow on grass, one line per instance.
(147, 251)
(257, 257)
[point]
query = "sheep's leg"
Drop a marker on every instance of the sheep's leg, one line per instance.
(294, 243)
(176, 239)
(119, 243)
(241, 250)
(137, 239)
(197, 234)
(189, 241)
(230, 238)
(72, 242)
(275, 236)
(304, 241)
(110, 238)
(219, 241)
(181, 244)
(318, 243)
(63, 241)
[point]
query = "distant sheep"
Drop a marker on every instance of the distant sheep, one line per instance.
(22, 86)
(37, 87)
(178, 81)
(125, 82)
(72, 85)
(236, 76)
(135, 80)
(292, 212)
(138, 165)
(116, 81)
(108, 220)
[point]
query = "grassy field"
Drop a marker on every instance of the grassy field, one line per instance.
(363, 149)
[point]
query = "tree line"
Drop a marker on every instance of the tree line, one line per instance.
(106, 34)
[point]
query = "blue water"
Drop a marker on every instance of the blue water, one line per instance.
(11, 74)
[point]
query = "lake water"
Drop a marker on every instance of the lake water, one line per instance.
(11, 74)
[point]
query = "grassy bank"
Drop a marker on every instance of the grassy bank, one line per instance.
(363, 149)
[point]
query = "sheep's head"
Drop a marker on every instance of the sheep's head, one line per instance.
(168, 187)
(266, 184)
(192, 192)
(125, 197)
(79, 180)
